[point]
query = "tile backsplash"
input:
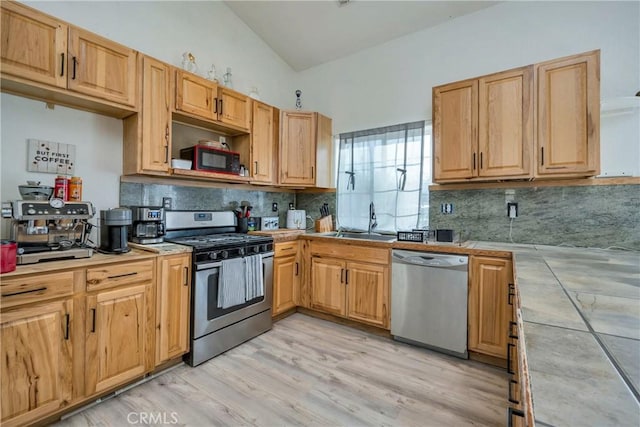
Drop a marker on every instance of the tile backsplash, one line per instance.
(587, 216)
(202, 198)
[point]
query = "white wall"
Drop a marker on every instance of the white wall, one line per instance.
(98, 141)
(391, 83)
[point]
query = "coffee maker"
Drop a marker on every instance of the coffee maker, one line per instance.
(47, 230)
(148, 224)
(114, 224)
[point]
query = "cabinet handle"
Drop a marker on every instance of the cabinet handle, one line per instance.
(256, 171)
(474, 161)
(312, 172)
(133, 273)
(509, 370)
(346, 281)
(221, 107)
(215, 105)
(342, 275)
(296, 268)
(512, 293)
(481, 160)
(513, 413)
(511, 399)
(66, 333)
(75, 61)
(93, 322)
(542, 156)
(166, 154)
(11, 294)
(511, 333)
(62, 64)
(186, 276)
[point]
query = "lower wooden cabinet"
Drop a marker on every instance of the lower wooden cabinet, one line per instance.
(117, 335)
(172, 307)
(349, 286)
(488, 309)
(286, 277)
(36, 373)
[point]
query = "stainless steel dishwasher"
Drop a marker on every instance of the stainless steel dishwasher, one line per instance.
(429, 300)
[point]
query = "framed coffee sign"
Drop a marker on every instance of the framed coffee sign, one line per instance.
(51, 157)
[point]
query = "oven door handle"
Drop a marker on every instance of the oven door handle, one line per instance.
(209, 265)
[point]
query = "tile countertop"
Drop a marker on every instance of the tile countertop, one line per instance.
(581, 316)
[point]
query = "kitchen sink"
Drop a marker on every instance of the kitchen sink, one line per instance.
(360, 236)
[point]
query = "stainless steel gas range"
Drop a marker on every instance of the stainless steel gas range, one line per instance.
(232, 281)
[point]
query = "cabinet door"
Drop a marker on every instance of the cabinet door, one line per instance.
(36, 361)
(327, 285)
(262, 143)
(324, 176)
(172, 307)
(116, 336)
(286, 279)
(297, 148)
(196, 95)
(34, 45)
(455, 130)
(156, 116)
(368, 293)
(102, 68)
(569, 115)
(488, 309)
(233, 108)
(505, 123)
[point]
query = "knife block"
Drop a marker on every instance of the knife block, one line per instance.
(324, 224)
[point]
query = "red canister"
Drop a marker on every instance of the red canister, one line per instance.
(61, 188)
(7, 255)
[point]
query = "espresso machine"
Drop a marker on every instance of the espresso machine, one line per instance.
(148, 225)
(47, 230)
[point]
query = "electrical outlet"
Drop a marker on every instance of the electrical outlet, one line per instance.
(512, 210)
(274, 207)
(166, 203)
(446, 208)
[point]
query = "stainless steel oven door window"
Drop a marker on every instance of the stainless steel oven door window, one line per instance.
(207, 316)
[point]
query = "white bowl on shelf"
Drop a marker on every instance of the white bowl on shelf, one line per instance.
(180, 164)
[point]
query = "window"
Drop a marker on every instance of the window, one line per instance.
(387, 166)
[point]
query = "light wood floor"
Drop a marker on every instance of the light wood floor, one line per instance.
(311, 372)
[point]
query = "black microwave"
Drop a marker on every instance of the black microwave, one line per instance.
(211, 159)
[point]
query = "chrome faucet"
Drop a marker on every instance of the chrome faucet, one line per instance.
(372, 218)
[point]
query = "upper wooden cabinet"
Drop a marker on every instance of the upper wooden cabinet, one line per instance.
(483, 128)
(102, 68)
(147, 135)
(206, 100)
(58, 59)
(34, 45)
(263, 142)
(569, 116)
(306, 157)
(489, 312)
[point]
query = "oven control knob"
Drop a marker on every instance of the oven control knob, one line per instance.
(224, 254)
(265, 248)
(241, 251)
(213, 255)
(256, 249)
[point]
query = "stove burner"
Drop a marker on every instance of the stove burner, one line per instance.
(216, 247)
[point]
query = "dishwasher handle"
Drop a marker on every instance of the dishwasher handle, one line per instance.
(429, 260)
